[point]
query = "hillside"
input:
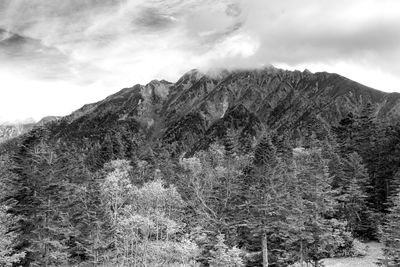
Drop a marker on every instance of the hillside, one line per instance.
(202, 106)
(12, 130)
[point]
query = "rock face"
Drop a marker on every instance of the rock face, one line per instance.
(47, 119)
(11, 130)
(200, 107)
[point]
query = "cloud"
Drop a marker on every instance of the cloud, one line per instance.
(324, 30)
(90, 48)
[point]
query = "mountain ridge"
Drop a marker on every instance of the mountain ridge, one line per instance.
(10, 130)
(200, 107)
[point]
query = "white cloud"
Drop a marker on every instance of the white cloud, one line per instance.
(82, 50)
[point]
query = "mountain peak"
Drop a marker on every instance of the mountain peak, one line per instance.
(18, 122)
(192, 75)
(204, 104)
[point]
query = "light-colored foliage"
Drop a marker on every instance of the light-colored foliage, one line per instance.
(223, 256)
(146, 220)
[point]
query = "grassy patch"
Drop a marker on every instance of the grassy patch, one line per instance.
(374, 253)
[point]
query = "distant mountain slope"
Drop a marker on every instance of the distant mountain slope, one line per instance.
(11, 130)
(199, 107)
(47, 119)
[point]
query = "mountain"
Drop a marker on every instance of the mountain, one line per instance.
(47, 119)
(15, 122)
(199, 107)
(72, 166)
(9, 130)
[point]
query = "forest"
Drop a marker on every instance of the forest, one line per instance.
(275, 199)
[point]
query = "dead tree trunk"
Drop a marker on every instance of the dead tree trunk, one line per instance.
(265, 249)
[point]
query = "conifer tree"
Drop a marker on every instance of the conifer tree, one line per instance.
(7, 256)
(7, 222)
(230, 143)
(374, 146)
(345, 134)
(52, 222)
(316, 206)
(118, 145)
(222, 256)
(353, 195)
(283, 146)
(106, 152)
(90, 221)
(23, 188)
(390, 236)
(268, 200)
(394, 189)
(265, 152)
(246, 141)
(365, 136)
(39, 198)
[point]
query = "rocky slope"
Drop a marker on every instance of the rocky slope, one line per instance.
(11, 130)
(199, 107)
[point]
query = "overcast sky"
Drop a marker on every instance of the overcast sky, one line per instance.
(56, 55)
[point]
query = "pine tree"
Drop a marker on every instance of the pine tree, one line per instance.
(265, 152)
(345, 134)
(353, 194)
(222, 256)
(267, 199)
(117, 145)
(372, 141)
(107, 151)
(390, 236)
(366, 146)
(283, 146)
(87, 216)
(394, 189)
(7, 222)
(7, 256)
(52, 223)
(22, 194)
(246, 140)
(366, 132)
(316, 206)
(230, 143)
(41, 198)
(93, 160)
